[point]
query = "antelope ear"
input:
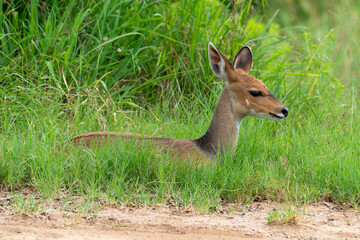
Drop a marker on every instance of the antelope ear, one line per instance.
(217, 62)
(243, 59)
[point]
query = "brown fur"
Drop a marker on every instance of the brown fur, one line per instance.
(183, 149)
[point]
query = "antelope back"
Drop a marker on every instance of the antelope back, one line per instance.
(182, 149)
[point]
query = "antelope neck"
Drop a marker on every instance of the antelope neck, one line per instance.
(223, 132)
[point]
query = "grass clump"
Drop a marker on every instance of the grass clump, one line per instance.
(287, 215)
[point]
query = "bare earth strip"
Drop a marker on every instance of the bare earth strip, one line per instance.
(318, 221)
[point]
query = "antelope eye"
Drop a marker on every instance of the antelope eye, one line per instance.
(255, 93)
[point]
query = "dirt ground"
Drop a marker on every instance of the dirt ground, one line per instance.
(317, 221)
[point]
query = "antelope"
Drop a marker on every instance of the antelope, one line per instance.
(243, 95)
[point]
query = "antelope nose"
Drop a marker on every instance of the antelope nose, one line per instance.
(285, 111)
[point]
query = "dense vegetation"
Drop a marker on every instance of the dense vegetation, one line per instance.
(68, 67)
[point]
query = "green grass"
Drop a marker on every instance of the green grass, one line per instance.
(70, 67)
(287, 215)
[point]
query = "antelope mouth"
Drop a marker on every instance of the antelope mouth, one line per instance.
(278, 116)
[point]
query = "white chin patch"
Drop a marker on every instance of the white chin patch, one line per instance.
(280, 115)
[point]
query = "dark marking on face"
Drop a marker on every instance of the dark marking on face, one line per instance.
(272, 96)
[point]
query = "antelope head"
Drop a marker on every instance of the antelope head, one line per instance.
(248, 95)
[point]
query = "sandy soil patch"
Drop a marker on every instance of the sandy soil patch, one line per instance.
(318, 221)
